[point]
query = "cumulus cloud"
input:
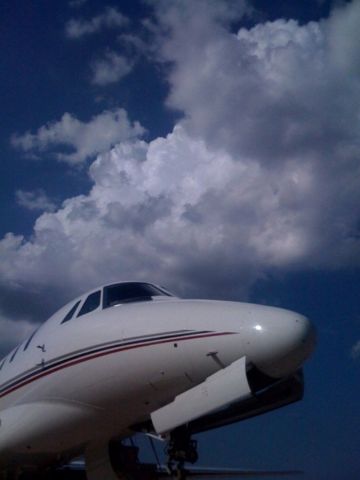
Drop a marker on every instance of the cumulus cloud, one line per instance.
(155, 211)
(110, 18)
(280, 99)
(261, 175)
(110, 69)
(35, 200)
(84, 139)
(275, 89)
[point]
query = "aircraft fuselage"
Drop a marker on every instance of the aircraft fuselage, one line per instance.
(103, 372)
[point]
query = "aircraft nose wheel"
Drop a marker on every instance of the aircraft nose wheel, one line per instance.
(181, 448)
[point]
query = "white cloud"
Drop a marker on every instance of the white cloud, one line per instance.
(110, 69)
(276, 90)
(35, 200)
(110, 18)
(181, 214)
(261, 175)
(141, 220)
(277, 96)
(86, 139)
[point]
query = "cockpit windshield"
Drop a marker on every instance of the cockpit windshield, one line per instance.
(131, 292)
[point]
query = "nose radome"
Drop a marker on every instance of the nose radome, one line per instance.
(280, 341)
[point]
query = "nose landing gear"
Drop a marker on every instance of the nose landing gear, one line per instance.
(181, 449)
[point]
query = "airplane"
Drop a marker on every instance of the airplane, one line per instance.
(131, 357)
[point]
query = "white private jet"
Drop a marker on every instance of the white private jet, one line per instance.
(131, 357)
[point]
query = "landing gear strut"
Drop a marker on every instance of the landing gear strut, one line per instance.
(181, 449)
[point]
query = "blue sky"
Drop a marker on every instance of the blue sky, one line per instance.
(209, 146)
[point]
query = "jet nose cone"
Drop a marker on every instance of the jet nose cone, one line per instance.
(283, 340)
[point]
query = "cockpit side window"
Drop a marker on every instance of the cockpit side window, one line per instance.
(29, 339)
(71, 312)
(13, 355)
(131, 292)
(91, 303)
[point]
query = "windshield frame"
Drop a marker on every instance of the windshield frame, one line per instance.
(157, 291)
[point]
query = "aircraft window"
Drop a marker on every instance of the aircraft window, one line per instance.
(71, 312)
(13, 355)
(91, 303)
(29, 339)
(131, 292)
